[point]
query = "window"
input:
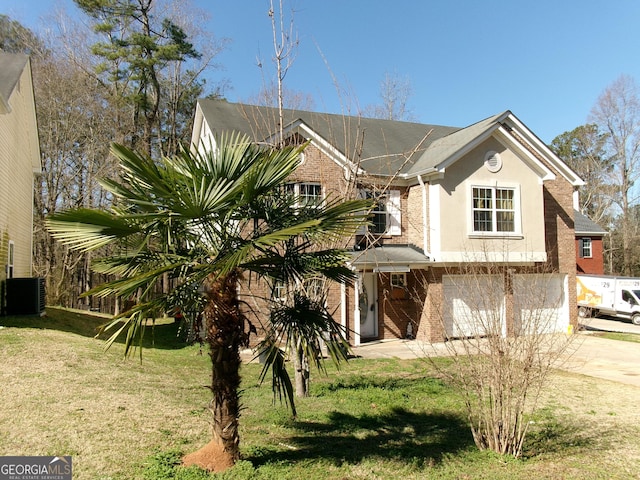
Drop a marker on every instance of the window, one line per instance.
(378, 214)
(307, 194)
(627, 297)
(279, 291)
(385, 215)
(585, 248)
(494, 210)
(10, 259)
(314, 288)
(399, 280)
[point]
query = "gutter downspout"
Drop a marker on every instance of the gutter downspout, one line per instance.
(425, 230)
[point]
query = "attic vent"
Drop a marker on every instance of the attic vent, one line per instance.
(492, 161)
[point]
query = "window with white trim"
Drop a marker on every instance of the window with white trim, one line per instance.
(399, 280)
(10, 259)
(385, 215)
(279, 291)
(494, 210)
(586, 250)
(314, 288)
(306, 193)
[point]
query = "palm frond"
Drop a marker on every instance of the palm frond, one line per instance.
(85, 229)
(275, 361)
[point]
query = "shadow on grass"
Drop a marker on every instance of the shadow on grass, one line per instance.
(400, 434)
(559, 434)
(168, 336)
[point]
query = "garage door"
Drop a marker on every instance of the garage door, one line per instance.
(540, 303)
(473, 305)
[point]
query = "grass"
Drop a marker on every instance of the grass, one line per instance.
(624, 337)
(374, 419)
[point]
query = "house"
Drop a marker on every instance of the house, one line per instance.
(447, 198)
(589, 247)
(19, 164)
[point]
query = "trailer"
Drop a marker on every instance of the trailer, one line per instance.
(609, 295)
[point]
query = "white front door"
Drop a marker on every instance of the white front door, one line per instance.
(368, 306)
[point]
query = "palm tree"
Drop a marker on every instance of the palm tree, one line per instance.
(205, 220)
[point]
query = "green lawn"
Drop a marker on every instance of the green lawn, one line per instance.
(624, 337)
(373, 419)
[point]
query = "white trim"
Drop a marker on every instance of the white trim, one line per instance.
(394, 213)
(356, 310)
(402, 275)
(517, 221)
(343, 308)
(511, 143)
(392, 269)
(11, 259)
(492, 257)
(582, 247)
(435, 221)
(323, 145)
(425, 231)
(535, 142)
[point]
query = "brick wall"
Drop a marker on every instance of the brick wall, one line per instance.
(595, 264)
(414, 220)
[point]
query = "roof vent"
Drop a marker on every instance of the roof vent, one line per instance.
(493, 161)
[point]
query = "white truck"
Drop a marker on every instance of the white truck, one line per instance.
(608, 295)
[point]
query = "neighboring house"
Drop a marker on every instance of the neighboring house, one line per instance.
(589, 248)
(19, 163)
(488, 194)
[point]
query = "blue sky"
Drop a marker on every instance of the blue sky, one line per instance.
(545, 60)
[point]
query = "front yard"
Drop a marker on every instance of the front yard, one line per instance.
(124, 419)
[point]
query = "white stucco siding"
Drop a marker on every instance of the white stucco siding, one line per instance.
(458, 241)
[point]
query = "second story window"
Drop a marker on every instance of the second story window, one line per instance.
(379, 217)
(306, 193)
(585, 248)
(385, 215)
(494, 210)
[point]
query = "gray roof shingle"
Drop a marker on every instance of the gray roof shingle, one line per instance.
(583, 225)
(380, 146)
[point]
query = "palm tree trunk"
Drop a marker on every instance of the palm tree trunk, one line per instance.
(301, 366)
(225, 335)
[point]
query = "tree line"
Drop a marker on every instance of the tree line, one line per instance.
(129, 72)
(605, 152)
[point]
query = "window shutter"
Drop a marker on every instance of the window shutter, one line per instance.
(393, 207)
(580, 248)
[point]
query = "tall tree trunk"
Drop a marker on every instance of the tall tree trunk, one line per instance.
(225, 335)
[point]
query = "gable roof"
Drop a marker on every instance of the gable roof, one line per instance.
(583, 225)
(11, 67)
(383, 147)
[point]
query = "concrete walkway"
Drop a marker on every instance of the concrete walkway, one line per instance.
(588, 355)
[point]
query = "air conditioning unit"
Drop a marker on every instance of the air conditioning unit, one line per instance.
(25, 296)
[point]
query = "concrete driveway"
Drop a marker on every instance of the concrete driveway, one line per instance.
(609, 324)
(614, 360)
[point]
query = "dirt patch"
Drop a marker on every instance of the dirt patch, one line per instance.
(211, 457)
